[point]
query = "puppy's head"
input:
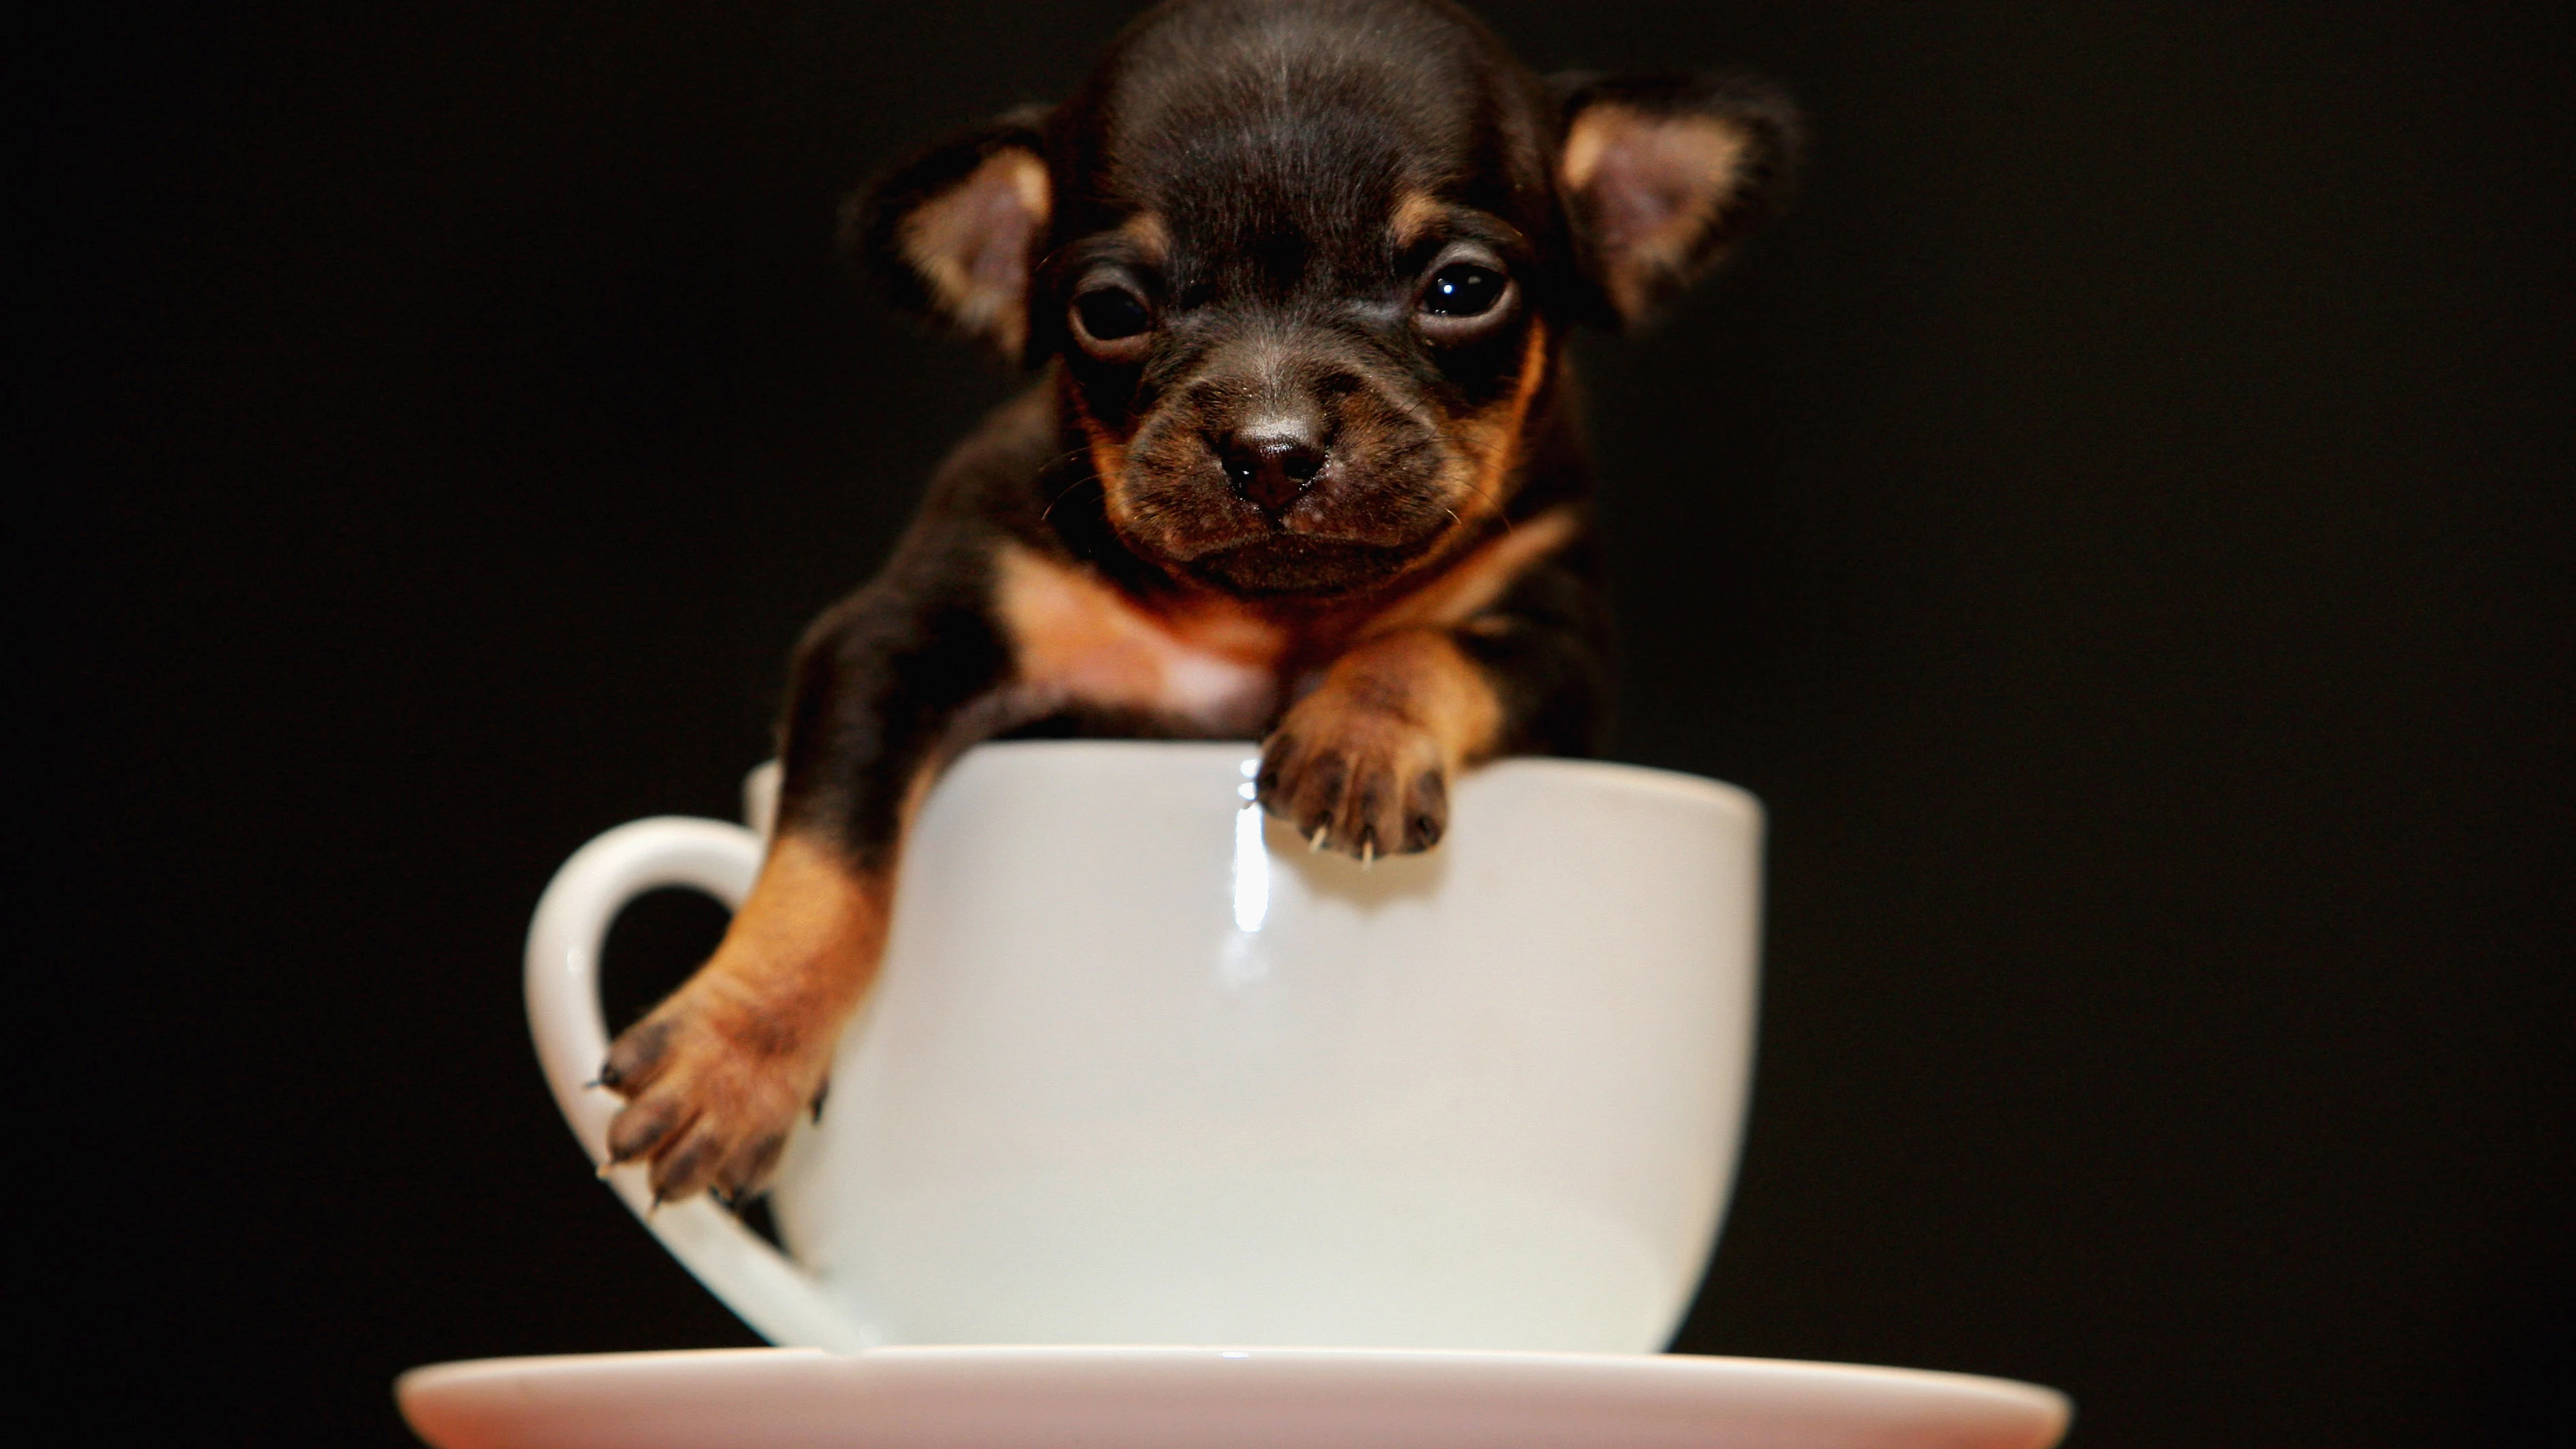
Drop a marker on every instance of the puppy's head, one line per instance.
(1307, 268)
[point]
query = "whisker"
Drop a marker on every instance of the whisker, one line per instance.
(1490, 502)
(1066, 492)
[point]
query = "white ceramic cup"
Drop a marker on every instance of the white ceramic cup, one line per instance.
(1141, 1069)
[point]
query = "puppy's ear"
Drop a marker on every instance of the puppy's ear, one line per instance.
(950, 231)
(1664, 173)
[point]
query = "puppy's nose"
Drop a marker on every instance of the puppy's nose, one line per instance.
(1271, 466)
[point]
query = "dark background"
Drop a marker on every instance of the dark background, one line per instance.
(2119, 523)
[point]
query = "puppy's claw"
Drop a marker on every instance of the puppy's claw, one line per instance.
(715, 1112)
(1357, 775)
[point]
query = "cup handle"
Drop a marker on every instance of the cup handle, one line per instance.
(773, 1295)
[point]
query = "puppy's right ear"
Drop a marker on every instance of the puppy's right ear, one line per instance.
(950, 232)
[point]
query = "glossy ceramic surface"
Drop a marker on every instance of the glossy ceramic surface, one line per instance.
(1175, 1398)
(1143, 1070)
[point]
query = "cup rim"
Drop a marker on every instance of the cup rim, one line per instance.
(1675, 785)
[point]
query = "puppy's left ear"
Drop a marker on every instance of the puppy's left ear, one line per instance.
(1664, 174)
(950, 231)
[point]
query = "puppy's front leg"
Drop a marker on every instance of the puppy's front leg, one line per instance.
(715, 1076)
(885, 690)
(1363, 763)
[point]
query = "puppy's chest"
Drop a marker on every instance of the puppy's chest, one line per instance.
(1076, 639)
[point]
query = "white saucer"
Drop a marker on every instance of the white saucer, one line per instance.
(1208, 1398)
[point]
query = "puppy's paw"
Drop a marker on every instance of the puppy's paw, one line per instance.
(712, 1082)
(1364, 782)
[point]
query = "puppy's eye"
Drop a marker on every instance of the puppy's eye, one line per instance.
(1112, 314)
(1462, 289)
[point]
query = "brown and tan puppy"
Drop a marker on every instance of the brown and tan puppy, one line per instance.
(1295, 281)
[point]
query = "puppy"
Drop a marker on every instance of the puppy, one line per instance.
(1299, 464)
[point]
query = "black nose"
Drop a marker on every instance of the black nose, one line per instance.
(1270, 467)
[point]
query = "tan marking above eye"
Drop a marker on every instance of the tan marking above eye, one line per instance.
(1153, 238)
(1418, 215)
